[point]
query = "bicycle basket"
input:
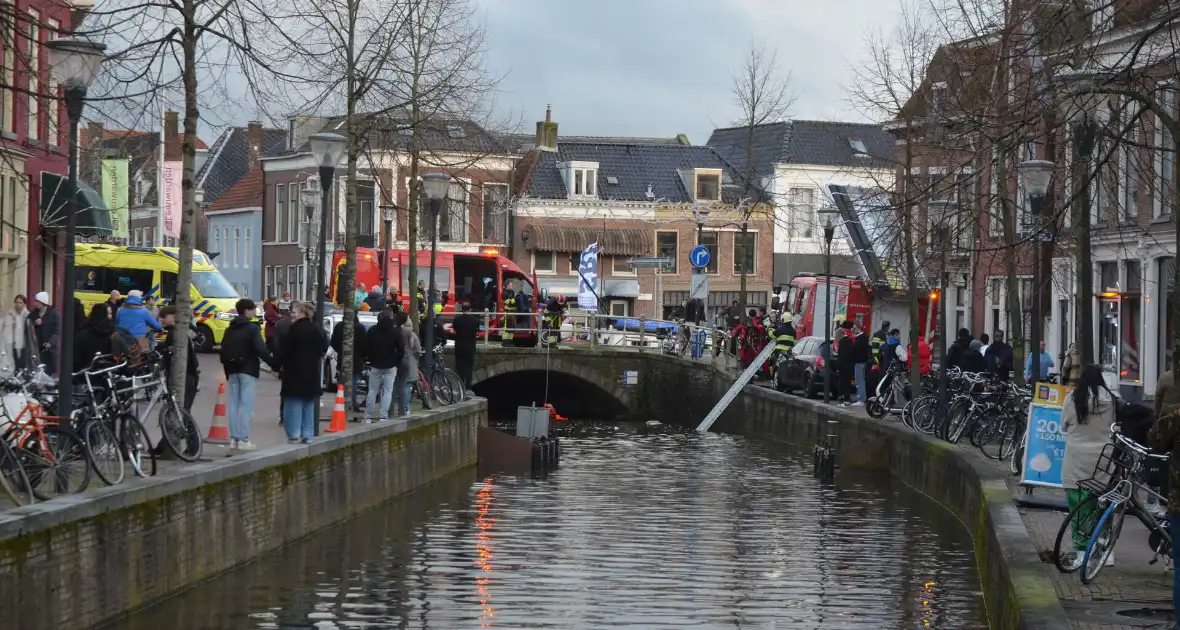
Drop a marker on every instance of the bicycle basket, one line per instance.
(1114, 463)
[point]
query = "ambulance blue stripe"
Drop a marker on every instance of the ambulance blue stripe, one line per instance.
(154, 291)
(209, 311)
(201, 305)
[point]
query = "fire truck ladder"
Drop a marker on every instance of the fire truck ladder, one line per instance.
(738, 385)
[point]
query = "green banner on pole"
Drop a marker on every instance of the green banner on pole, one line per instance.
(115, 185)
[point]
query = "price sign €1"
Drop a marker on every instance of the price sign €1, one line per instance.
(1044, 453)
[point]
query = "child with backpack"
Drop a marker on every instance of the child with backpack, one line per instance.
(242, 354)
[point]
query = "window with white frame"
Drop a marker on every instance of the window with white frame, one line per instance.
(495, 212)
(995, 207)
(708, 185)
(293, 212)
(1130, 163)
(301, 285)
(280, 280)
(745, 248)
(583, 182)
(280, 213)
(53, 105)
(366, 198)
(453, 219)
(8, 116)
(801, 211)
(1105, 198)
(246, 249)
(621, 266)
(544, 262)
(234, 247)
(216, 239)
(34, 54)
(1165, 161)
(292, 281)
(667, 246)
(8, 204)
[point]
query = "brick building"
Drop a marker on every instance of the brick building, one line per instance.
(635, 198)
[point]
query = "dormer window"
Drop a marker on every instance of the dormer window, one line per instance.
(858, 147)
(581, 179)
(708, 185)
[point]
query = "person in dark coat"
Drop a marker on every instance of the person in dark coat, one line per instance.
(466, 327)
(192, 372)
(47, 326)
(846, 359)
(385, 346)
(271, 316)
(242, 354)
(954, 354)
(276, 341)
(358, 354)
(972, 360)
(300, 356)
(999, 357)
(94, 338)
(863, 354)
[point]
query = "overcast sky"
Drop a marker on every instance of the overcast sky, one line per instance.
(662, 67)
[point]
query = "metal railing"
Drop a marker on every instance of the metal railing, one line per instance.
(594, 330)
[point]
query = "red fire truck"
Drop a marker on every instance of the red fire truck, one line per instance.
(478, 279)
(853, 300)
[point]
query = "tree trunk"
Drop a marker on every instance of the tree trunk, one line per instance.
(1085, 274)
(415, 208)
(1176, 260)
(1015, 330)
(188, 221)
(911, 268)
(347, 282)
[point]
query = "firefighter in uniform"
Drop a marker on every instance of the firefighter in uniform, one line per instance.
(878, 339)
(421, 296)
(509, 307)
(784, 339)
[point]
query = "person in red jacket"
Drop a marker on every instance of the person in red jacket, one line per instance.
(271, 316)
(925, 357)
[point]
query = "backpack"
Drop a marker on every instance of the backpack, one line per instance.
(125, 347)
(234, 352)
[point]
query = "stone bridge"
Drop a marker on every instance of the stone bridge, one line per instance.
(656, 380)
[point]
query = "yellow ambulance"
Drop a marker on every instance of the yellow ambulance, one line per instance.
(153, 270)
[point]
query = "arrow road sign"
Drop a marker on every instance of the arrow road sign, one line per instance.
(699, 256)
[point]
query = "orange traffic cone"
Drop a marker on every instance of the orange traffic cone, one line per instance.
(339, 420)
(219, 431)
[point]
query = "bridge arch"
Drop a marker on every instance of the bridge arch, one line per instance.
(576, 367)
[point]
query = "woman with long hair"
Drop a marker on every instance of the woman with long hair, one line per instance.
(1086, 416)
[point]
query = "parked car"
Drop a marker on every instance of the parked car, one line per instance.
(330, 362)
(806, 368)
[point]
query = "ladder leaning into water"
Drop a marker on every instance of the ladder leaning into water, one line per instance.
(742, 381)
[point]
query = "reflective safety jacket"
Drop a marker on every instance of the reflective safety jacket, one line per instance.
(875, 343)
(784, 337)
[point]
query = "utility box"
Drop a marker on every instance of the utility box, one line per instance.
(532, 422)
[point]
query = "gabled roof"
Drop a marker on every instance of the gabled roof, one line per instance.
(804, 142)
(245, 193)
(635, 167)
(394, 131)
(229, 159)
(521, 143)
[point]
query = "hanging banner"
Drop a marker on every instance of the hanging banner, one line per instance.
(170, 179)
(114, 193)
(588, 279)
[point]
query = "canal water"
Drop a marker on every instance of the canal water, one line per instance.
(669, 530)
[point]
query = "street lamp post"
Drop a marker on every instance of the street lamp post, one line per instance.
(76, 63)
(308, 196)
(700, 213)
(1034, 176)
(829, 233)
(327, 149)
(436, 185)
(387, 217)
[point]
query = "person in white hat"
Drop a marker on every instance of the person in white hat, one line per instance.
(47, 326)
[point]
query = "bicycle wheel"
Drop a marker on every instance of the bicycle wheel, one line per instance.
(875, 409)
(57, 466)
(13, 479)
(442, 388)
(959, 422)
(105, 455)
(460, 393)
(423, 390)
(181, 433)
(1066, 557)
(1102, 541)
(137, 445)
(1012, 437)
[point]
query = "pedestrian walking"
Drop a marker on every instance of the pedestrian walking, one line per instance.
(17, 323)
(466, 327)
(1086, 416)
(192, 371)
(242, 354)
(47, 330)
(1045, 365)
(385, 347)
(300, 356)
(863, 354)
(136, 320)
(999, 356)
(94, 338)
(407, 370)
(358, 355)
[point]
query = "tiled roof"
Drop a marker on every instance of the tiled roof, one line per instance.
(635, 167)
(808, 142)
(393, 131)
(522, 142)
(229, 160)
(245, 193)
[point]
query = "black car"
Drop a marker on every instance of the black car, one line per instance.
(806, 368)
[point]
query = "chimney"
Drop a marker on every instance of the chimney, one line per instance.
(172, 139)
(547, 132)
(254, 141)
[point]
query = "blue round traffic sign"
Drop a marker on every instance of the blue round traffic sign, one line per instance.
(699, 256)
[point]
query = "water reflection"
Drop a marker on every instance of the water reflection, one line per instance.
(646, 531)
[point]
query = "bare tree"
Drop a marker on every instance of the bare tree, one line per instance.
(763, 95)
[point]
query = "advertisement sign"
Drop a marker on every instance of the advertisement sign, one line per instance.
(170, 178)
(588, 279)
(114, 193)
(1050, 394)
(1044, 446)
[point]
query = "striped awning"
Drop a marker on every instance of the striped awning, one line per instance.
(611, 242)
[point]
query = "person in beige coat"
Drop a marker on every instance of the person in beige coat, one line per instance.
(407, 371)
(1086, 416)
